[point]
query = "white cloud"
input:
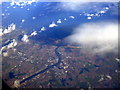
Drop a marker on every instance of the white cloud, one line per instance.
(10, 45)
(89, 17)
(118, 60)
(102, 11)
(5, 54)
(89, 14)
(20, 2)
(85, 0)
(33, 18)
(25, 38)
(33, 33)
(43, 29)
(76, 5)
(53, 24)
(84, 5)
(71, 5)
(71, 17)
(10, 28)
(1, 31)
(30, 1)
(59, 21)
(99, 37)
(65, 19)
(23, 20)
(13, 44)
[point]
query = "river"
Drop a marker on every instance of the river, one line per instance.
(44, 70)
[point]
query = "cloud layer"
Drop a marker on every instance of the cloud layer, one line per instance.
(62, 0)
(100, 37)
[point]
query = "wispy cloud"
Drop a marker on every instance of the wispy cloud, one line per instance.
(100, 37)
(77, 5)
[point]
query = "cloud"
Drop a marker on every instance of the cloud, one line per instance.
(85, 0)
(75, 6)
(71, 17)
(33, 33)
(52, 25)
(85, 5)
(25, 38)
(43, 29)
(10, 28)
(13, 43)
(99, 37)
(59, 21)
(18, 2)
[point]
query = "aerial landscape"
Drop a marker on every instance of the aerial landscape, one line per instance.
(60, 44)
